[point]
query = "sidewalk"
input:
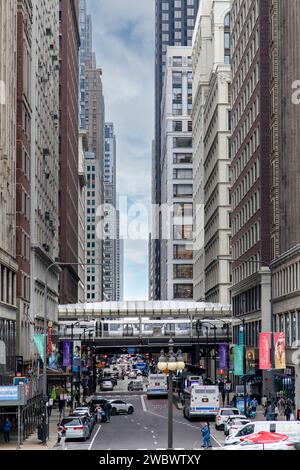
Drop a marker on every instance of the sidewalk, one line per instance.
(32, 442)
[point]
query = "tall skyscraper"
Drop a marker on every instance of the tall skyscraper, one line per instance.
(45, 161)
(177, 177)
(211, 122)
(110, 219)
(175, 20)
(23, 176)
(68, 149)
(250, 166)
(92, 121)
(285, 195)
(8, 264)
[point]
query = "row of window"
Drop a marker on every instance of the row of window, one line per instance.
(239, 16)
(246, 212)
(246, 269)
(178, 126)
(182, 158)
(183, 271)
(288, 323)
(287, 280)
(246, 184)
(247, 241)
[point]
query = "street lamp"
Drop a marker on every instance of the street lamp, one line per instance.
(170, 364)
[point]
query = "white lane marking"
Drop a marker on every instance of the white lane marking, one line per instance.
(91, 444)
(145, 427)
(185, 424)
(143, 403)
(155, 443)
(138, 424)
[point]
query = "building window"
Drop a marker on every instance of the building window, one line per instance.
(177, 126)
(182, 142)
(227, 39)
(183, 271)
(183, 210)
(181, 252)
(183, 232)
(179, 174)
(182, 158)
(183, 291)
(183, 190)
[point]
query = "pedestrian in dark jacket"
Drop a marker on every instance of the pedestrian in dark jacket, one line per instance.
(7, 427)
(287, 412)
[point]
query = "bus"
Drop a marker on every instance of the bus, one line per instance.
(201, 401)
(157, 385)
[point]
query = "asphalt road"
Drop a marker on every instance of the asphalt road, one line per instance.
(145, 429)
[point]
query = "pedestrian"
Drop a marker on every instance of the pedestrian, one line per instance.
(253, 404)
(107, 410)
(223, 397)
(276, 412)
(61, 407)
(62, 433)
(206, 436)
(269, 411)
(288, 412)
(7, 427)
(233, 401)
(49, 406)
(264, 401)
(99, 413)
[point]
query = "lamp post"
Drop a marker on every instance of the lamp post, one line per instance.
(170, 364)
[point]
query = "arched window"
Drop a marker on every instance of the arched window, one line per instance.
(227, 39)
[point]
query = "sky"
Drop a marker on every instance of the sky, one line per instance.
(123, 39)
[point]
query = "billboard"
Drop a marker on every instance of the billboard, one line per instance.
(231, 357)
(67, 345)
(264, 351)
(279, 350)
(38, 340)
(238, 359)
(250, 360)
(76, 356)
(223, 350)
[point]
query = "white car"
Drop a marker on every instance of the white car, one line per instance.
(223, 415)
(246, 445)
(233, 423)
(120, 406)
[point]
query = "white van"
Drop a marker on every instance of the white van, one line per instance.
(157, 385)
(201, 401)
(290, 428)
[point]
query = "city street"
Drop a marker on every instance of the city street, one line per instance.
(146, 428)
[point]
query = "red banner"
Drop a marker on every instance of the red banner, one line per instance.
(49, 338)
(264, 351)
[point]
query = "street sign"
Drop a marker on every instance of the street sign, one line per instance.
(9, 393)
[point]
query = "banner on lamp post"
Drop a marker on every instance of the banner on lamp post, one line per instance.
(38, 340)
(231, 357)
(279, 350)
(238, 359)
(67, 353)
(264, 351)
(250, 360)
(76, 356)
(223, 350)
(49, 352)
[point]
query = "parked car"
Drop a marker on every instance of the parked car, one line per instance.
(84, 412)
(222, 416)
(120, 406)
(76, 427)
(233, 423)
(106, 386)
(135, 385)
